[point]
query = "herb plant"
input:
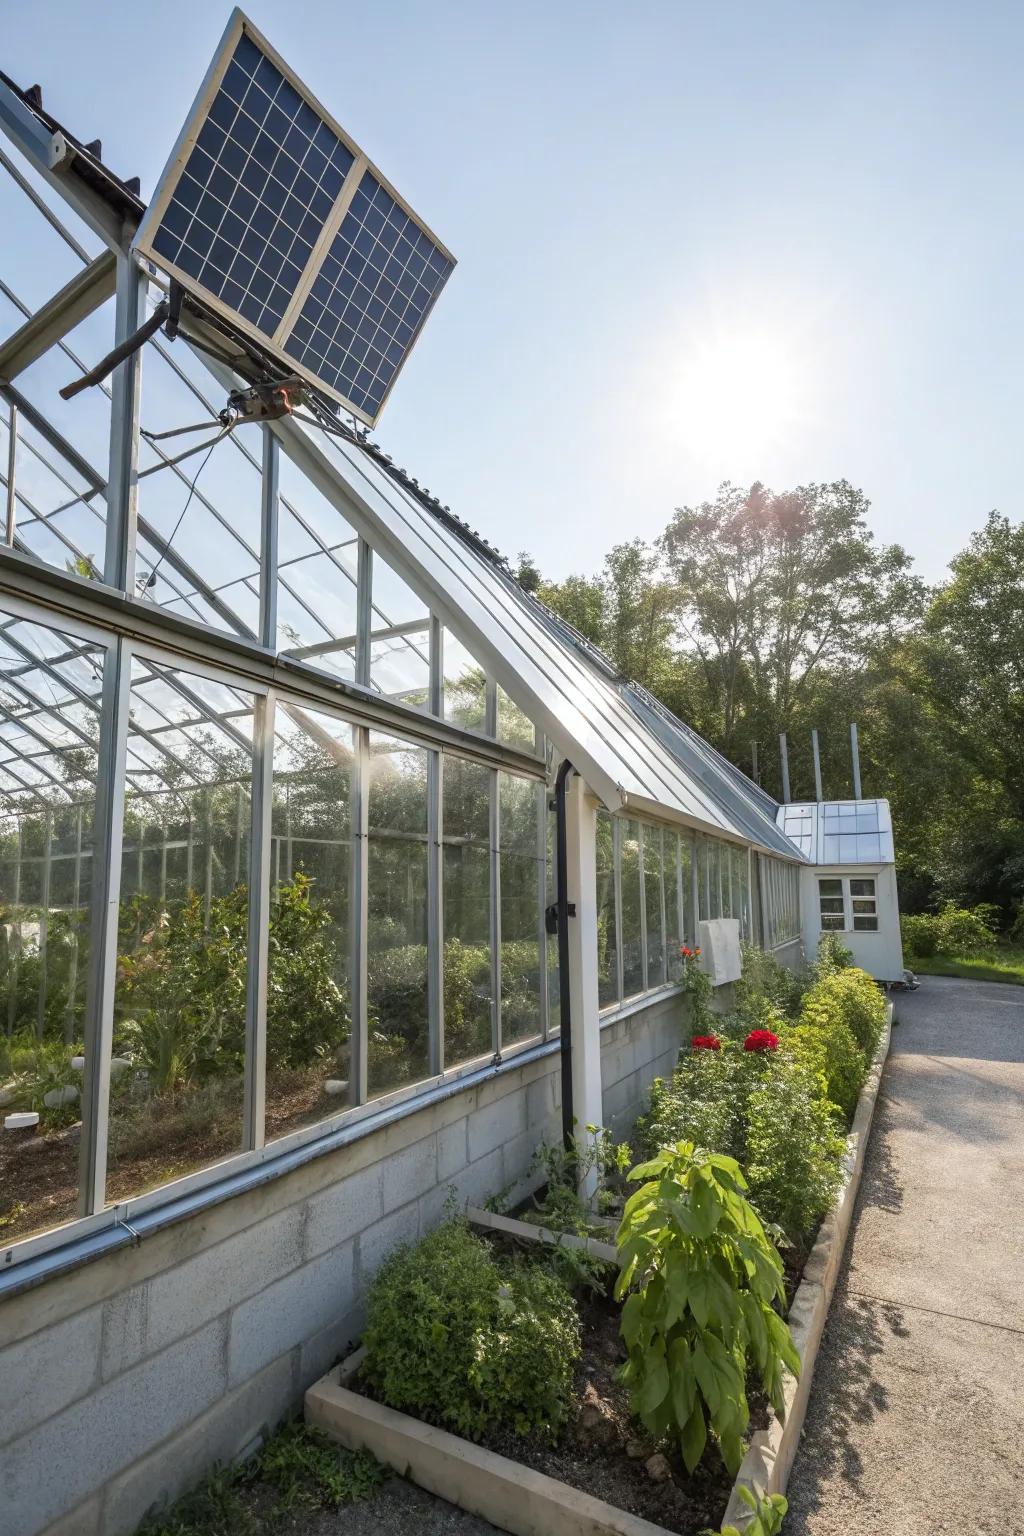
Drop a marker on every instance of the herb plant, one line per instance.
(470, 1342)
(699, 1278)
(768, 1511)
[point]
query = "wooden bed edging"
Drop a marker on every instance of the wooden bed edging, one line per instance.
(769, 1460)
(513, 1497)
(491, 1221)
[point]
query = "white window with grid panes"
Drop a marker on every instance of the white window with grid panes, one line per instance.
(848, 904)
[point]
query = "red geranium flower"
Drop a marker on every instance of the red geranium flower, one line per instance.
(706, 1043)
(761, 1040)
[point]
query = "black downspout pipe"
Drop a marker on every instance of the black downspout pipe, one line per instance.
(564, 909)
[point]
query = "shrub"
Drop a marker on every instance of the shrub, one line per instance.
(832, 1056)
(699, 1276)
(966, 930)
(851, 996)
(767, 1511)
(468, 1342)
(700, 1102)
(833, 956)
(793, 1150)
(764, 980)
(920, 934)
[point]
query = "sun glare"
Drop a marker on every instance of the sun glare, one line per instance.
(737, 394)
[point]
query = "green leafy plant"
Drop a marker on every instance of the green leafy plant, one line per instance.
(767, 1511)
(468, 1341)
(833, 956)
(699, 1279)
(700, 1102)
(793, 1148)
(829, 1052)
(851, 997)
(307, 1470)
(697, 988)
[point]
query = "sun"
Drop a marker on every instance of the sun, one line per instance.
(738, 394)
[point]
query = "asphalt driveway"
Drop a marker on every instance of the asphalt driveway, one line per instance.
(916, 1417)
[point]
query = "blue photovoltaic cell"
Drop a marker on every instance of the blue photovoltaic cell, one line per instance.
(255, 193)
(369, 299)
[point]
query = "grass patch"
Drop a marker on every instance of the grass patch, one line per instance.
(1003, 964)
(298, 1469)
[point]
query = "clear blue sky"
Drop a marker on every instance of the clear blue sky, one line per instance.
(696, 242)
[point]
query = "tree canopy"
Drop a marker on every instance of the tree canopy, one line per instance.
(762, 612)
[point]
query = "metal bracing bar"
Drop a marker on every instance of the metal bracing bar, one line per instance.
(347, 642)
(48, 746)
(259, 924)
(364, 586)
(617, 896)
(78, 299)
(12, 460)
(108, 827)
(270, 499)
(125, 397)
(435, 861)
(641, 860)
(494, 871)
(359, 914)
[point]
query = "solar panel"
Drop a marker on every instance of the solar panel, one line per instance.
(271, 214)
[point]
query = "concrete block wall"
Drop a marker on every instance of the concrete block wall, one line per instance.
(124, 1380)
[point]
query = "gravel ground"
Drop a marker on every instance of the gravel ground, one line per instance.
(397, 1509)
(916, 1418)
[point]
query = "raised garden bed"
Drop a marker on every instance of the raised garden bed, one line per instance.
(601, 1476)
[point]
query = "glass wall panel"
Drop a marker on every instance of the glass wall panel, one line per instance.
(607, 958)
(703, 888)
(465, 686)
(179, 1008)
(550, 897)
(521, 883)
(48, 772)
(318, 566)
(686, 859)
(398, 1031)
(653, 900)
(714, 879)
(309, 1017)
(466, 840)
(513, 726)
(674, 933)
(399, 639)
(632, 943)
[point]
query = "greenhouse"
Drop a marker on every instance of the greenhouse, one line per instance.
(317, 832)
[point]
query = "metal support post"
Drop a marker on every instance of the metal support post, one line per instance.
(12, 460)
(259, 923)
(270, 500)
(108, 828)
(784, 755)
(855, 753)
(125, 395)
(359, 912)
(584, 1003)
(817, 766)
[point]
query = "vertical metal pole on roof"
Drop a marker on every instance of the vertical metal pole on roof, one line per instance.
(12, 459)
(617, 884)
(364, 599)
(270, 502)
(125, 394)
(817, 766)
(258, 942)
(108, 829)
(855, 753)
(640, 845)
(435, 862)
(359, 912)
(784, 755)
(494, 824)
(753, 763)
